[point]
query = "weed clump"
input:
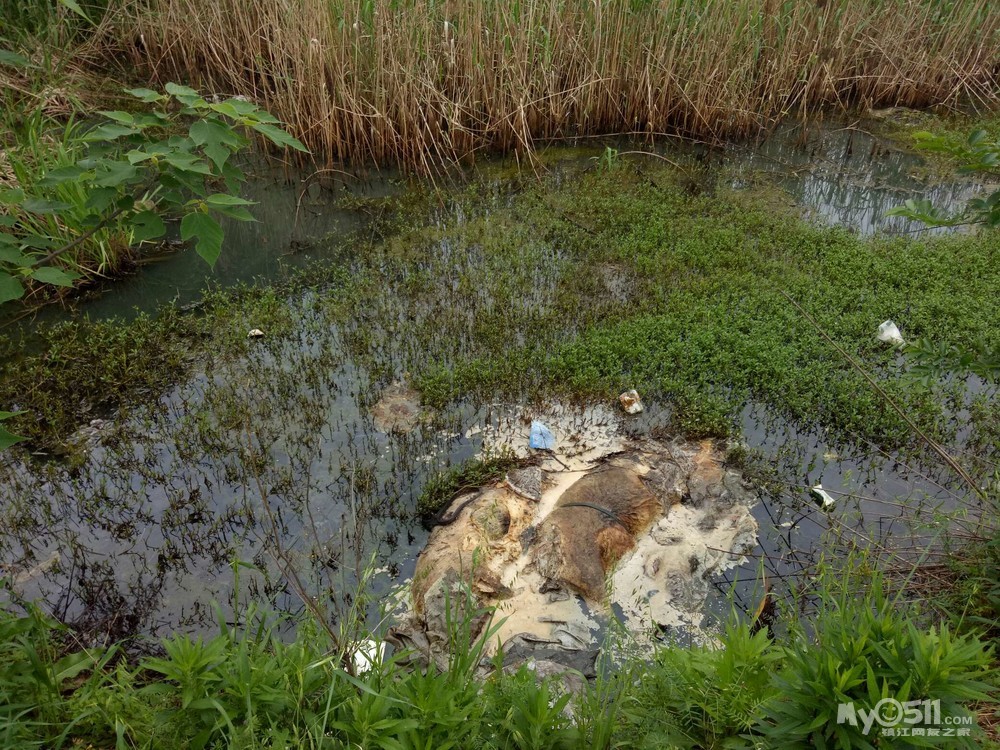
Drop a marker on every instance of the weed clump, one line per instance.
(445, 486)
(251, 688)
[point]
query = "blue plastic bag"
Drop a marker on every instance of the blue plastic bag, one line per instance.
(541, 437)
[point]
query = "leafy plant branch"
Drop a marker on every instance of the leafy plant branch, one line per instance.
(135, 172)
(129, 175)
(977, 154)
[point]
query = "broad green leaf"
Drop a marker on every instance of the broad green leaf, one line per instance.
(43, 206)
(248, 111)
(13, 59)
(54, 276)
(180, 143)
(109, 132)
(8, 439)
(6, 220)
(210, 131)
(123, 118)
(235, 212)
(40, 243)
(225, 108)
(100, 198)
(185, 94)
(151, 119)
(225, 199)
(976, 137)
(11, 196)
(10, 288)
(234, 177)
(175, 89)
(207, 232)
(147, 225)
(218, 154)
(115, 173)
(74, 6)
(187, 163)
(279, 137)
(135, 156)
(147, 95)
(13, 256)
(149, 150)
(63, 174)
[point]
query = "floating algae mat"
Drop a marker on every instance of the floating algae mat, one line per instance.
(176, 463)
(619, 526)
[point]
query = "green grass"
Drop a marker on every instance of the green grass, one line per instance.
(443, 487)
(249, 688)
(72, 372)
(706, 326)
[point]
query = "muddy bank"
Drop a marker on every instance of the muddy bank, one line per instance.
(604, 526)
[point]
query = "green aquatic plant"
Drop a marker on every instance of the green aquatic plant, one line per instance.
(869, 655)
(704, 696)
(979, 153)
(254, 686)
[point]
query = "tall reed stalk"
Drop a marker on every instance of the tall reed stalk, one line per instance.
(421, 82)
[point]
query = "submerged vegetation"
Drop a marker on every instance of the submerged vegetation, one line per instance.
(444, 487)
(424, 83)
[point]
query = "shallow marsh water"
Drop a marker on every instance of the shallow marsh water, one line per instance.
(156, 519)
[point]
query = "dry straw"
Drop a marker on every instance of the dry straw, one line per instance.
(425, 82)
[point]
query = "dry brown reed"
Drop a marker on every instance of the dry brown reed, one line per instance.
(426, 82)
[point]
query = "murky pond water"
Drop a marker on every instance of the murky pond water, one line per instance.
(272, 460)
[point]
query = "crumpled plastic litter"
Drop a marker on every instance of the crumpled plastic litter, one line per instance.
(541, 437)
(825, 498)
(631, 402)
(889, 333)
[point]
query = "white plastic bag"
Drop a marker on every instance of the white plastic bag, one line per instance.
(889, 333)
(825, 498)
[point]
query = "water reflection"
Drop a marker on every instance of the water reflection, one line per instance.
(848, 177)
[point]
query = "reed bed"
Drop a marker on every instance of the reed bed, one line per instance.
(426, 82)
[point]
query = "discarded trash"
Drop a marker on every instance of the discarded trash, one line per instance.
(631, 402)
(541, 437)
(367, 654)
(398, 410)
(825, 498)
(889, 333)
(526, 482)
(255, 333)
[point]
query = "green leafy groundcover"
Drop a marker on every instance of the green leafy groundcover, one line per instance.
(250, 688)
(706, 324)
(514, 300)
